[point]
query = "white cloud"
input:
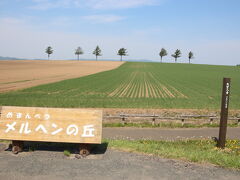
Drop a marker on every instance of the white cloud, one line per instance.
(93, 4)
(10, 20)
(119, 4)
(24, 40)
(50, 4)
(103, 18)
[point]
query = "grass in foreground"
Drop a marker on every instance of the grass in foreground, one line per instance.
(201, 151)
(136, 85)
(165, 125)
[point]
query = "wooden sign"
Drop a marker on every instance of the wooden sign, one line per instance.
(51, 124)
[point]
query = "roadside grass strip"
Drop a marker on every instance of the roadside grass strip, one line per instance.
(200, 151)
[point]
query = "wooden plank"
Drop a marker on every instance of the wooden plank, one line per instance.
(51, 124)
(138, 115)
(197, 116)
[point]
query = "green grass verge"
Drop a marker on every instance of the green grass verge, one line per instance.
(201, 151)
(136, 85)
(164, 125)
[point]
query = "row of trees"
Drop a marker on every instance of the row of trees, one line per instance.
(97, 52)
(123, 52)
(177, 54)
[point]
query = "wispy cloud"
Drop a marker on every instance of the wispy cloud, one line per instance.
(19, 36)
(48, 4)
(11, 20)
(103, 18)
(93, 4)
(120, 4)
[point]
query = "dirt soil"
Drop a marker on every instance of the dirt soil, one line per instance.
(19, 74)
(110, 164)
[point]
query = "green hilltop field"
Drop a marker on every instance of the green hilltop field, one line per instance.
(136, 85)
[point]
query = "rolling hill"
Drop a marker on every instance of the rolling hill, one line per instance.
(136, 85)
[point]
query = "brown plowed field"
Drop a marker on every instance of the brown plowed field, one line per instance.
(19, 74)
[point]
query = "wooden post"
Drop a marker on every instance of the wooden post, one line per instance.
(123, 120)
(211, 121)
(182, 122)
(17, 146)
(224, 113)
(153, 121)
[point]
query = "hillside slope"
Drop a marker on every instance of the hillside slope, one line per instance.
(137, 85)
(20, 74)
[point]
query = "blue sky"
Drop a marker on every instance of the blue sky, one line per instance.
(209, 28)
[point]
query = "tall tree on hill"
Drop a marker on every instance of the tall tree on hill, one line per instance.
(49, 51)
(78, 52)
(122, 52)
(190, 56)
(162, 53)
(177, 54)
(97, 52)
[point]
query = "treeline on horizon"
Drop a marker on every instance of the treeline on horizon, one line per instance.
(123, 52)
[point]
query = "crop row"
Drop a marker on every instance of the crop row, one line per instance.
(143, 85)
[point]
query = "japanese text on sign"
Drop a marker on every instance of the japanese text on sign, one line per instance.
(51, 124)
